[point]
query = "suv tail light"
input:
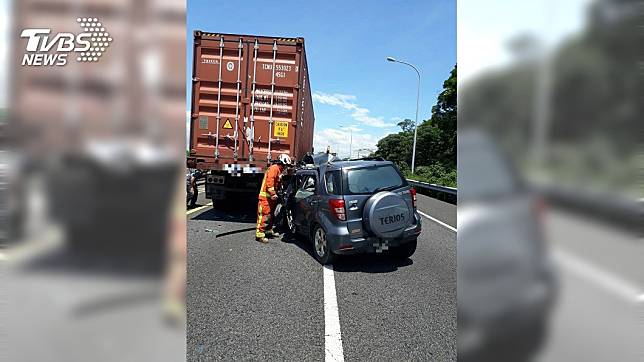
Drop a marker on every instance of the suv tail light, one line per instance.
(412, 192)
(337, 209)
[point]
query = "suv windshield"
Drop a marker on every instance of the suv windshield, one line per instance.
(371, 179)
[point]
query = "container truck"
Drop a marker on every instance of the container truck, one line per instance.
(251, 101)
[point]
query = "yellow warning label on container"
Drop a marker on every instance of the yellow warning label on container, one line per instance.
(280, 129)
(228, 125)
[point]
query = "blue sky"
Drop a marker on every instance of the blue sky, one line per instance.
(347, 43)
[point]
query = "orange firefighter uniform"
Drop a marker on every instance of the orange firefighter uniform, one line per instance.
(267, 201)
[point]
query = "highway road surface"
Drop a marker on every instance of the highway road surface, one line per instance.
(600, 311)
(257, 301)
(252, 301)
(248, 300)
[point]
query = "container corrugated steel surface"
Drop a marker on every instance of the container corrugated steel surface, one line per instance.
(251, 100)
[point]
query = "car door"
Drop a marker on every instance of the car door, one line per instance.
(306, 201)
(298, 196)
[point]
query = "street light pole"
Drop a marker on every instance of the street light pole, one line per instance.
(350, 142)
(350, 139)
(413, 154)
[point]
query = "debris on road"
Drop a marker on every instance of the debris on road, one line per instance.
(235, 232)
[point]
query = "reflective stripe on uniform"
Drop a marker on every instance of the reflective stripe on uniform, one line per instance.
(261, 190)
(260, 220)
(264, 218)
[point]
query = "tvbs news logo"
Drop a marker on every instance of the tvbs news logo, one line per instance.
(46, 48)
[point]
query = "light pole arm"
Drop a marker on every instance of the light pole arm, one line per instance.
(413, 155)
(411, 65)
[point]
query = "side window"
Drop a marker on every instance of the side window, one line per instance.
(306, 187)
(332, 180)
(309, 184)
(299, 181)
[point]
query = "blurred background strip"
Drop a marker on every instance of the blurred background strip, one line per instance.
(92, 158)
(550, 159)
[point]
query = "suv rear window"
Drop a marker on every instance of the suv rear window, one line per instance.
(369, 179)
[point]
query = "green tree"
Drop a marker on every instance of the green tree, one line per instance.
(436, 139)
(407, 125)
(396, 148)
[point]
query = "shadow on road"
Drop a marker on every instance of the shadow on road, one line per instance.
(116, 264)
(190, 207)
(364, 263)
(239, 215)
(370, 263)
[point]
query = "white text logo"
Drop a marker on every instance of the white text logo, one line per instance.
(45, 48)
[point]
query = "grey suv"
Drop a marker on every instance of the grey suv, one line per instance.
(356, 206)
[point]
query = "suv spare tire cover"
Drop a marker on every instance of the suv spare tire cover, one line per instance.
(386, 214)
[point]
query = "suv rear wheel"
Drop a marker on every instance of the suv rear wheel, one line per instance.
(321, 247)
(406, 250)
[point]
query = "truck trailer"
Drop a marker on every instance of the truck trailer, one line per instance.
(251, 101)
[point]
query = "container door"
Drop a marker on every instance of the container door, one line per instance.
(274, 75)
(219, 84)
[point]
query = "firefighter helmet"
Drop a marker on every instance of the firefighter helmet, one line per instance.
(284, 159)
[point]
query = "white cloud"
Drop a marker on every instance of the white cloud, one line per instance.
(340, 139)
(347, 102)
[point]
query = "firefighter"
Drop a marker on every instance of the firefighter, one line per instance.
(267, 200)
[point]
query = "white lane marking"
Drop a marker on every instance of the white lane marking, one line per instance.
(3, 256)
(437, 221)
(603, 278)
(199, 208)
(332, 336)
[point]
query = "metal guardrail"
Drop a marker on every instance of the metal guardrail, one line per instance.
(433, 187)
(610, 207)
(444, 193)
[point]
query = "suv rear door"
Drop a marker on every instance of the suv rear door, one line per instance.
(360, 183)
